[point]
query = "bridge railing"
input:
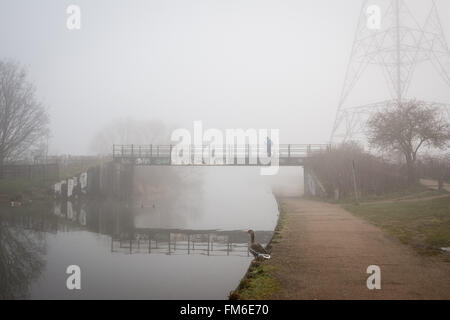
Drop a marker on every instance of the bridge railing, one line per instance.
(165, 151)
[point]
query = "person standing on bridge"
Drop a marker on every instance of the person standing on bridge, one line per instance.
(269, 147)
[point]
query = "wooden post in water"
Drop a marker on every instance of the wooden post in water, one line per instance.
(169, 242)
(224, 154)
(208, 244)
(247, 154)
(149, 243)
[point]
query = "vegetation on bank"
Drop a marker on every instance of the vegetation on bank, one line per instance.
(423, 224)
(77, 167)
(19, 188)
(39, 188)
(416, 191)
(339, 168)
(259, 282)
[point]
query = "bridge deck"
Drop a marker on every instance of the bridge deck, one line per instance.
(190, 155)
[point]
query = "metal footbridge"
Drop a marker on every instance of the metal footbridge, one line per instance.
(222, 155)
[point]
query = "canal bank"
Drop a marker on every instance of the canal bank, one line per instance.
(321, 251)
(259, 282)
(24, 183)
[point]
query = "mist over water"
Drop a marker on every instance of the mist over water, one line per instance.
(228, 198)
(169, 204)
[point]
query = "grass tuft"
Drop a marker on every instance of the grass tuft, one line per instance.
(258, 283)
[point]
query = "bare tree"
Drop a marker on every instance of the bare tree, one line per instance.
(23, 120)
(406, 128)
(129, 131)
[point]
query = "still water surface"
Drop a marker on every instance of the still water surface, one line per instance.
(188, 247)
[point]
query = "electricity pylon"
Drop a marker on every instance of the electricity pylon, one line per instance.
(396, 45)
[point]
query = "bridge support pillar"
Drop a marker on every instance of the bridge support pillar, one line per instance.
(126, 179)
(306, 185)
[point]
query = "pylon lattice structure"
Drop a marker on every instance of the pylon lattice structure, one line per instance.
(397, 46)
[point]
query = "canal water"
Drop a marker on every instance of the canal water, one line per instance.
(182, 237)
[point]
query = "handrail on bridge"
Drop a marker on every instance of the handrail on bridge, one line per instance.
(157, 151)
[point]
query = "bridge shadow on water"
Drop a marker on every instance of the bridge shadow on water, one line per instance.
(117, 222)
(177, 241)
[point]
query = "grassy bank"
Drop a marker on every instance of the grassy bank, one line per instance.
(417, 190)
(423, 224)
(11, 188)
(75, 169)
(259, 281)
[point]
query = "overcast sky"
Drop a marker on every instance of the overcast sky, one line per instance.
(230, 63)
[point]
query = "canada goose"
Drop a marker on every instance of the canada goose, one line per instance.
(256, 249)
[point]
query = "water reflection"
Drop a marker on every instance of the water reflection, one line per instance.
(21, 251)
(110, 243)
(172, 241)
(117, 220)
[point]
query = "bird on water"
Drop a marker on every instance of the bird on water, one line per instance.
(256, 249)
